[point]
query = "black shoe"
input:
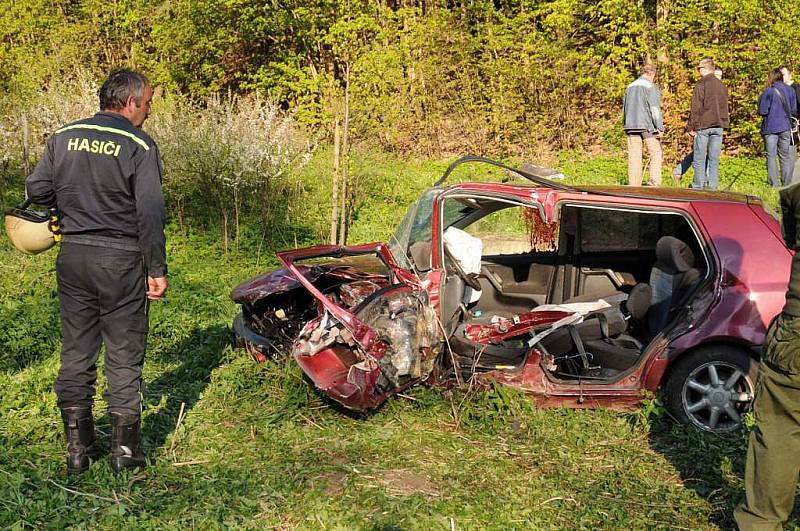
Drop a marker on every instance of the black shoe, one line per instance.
(125, 437)
(79, 432)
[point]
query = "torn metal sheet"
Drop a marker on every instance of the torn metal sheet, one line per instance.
(408, 327)
(503, 328)
(282, 281)
(355, 293)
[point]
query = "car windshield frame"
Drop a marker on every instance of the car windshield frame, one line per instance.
(417, 225)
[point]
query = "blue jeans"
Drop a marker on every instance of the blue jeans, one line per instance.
(779, 149)
(684, 165)
(707, 147)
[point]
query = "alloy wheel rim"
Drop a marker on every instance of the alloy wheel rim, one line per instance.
(716, 395)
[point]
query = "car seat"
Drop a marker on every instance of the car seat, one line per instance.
(611, 335)
(672, 278)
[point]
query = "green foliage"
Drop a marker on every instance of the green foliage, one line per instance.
(225, 158)
(498, 409)
(231, 155)
(258, 447)
(519, 77)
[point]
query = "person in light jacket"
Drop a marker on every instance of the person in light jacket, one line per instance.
(643, 125)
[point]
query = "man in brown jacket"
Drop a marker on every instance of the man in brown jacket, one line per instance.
(708, 117)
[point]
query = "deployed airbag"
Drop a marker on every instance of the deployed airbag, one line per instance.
(465, 249)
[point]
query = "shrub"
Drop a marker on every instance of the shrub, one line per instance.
(25, 126)
(232, 155)
(224, 158)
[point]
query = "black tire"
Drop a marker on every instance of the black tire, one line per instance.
(711, 388)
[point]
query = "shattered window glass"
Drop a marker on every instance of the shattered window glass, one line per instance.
(543, 236)
(416, 226)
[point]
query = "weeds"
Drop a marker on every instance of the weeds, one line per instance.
(226, 158)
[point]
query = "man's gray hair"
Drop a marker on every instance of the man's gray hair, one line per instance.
(647, 69)
(121, 85)
(707, 63)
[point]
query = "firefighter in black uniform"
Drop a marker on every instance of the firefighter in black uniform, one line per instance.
(104, 176)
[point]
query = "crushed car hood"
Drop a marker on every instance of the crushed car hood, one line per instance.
(282, 280)
(358, 325)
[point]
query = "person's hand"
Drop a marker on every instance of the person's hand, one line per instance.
(156, 287)
(692, 133)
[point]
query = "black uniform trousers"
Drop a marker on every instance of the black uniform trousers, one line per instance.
(102, 294)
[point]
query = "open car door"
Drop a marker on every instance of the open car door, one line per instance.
(361, 355)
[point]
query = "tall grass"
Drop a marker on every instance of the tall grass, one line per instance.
(242, 445)
(256, 447)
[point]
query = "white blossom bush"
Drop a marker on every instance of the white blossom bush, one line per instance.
(26, 126)
(224, 158)
(233, 154)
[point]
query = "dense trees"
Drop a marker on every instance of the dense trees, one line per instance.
(430, 77)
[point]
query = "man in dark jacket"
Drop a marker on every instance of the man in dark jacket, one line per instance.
(707, 120)
(104, 176)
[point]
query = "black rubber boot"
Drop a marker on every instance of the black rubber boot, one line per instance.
(79, 432)
(125, 437)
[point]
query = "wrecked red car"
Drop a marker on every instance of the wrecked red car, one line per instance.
(581, 296)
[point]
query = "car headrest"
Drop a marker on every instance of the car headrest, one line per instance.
(673, 256)
(421, 255)
(639, 300)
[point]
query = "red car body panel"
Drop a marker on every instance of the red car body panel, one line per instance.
(502, 330)
(532, 379)
(360, 331)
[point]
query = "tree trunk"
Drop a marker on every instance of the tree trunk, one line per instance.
(236, 215)
(345, 156)
(662, 15)
(3, 179)
(25, 145)
(224, 232)
(335, 181)
(181, 216)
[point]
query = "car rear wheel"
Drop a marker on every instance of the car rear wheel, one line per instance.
(712, 388)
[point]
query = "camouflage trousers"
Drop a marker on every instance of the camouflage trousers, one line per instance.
(773, 453)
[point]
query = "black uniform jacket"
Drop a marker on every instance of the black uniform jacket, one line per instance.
(104, 175)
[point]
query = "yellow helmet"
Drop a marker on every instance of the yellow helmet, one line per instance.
(30, 231)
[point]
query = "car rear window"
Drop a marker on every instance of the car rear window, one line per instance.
(606, 230)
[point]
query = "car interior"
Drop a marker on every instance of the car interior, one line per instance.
(628, 271)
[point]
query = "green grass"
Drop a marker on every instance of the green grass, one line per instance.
(259, 448)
